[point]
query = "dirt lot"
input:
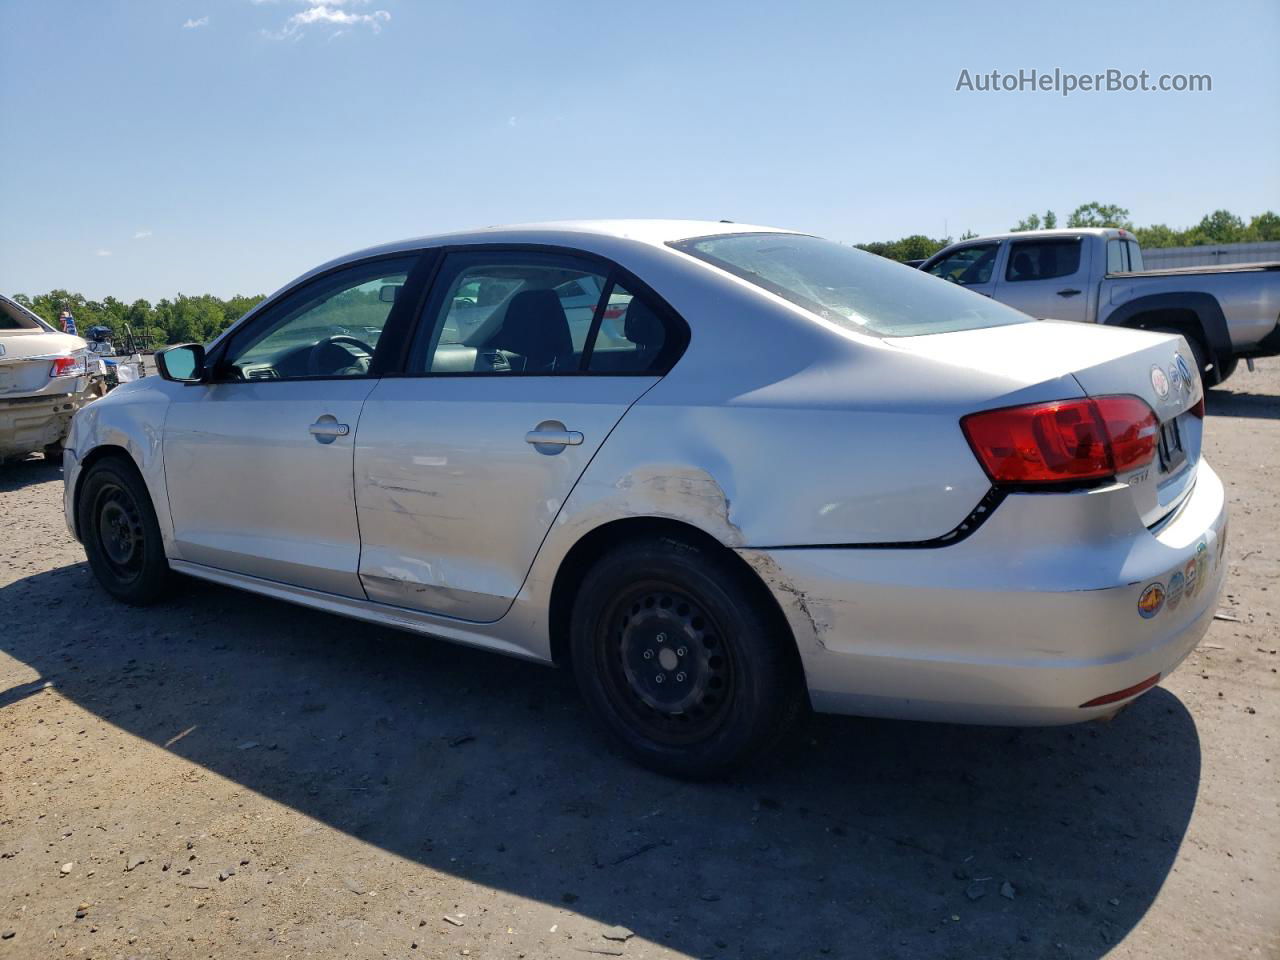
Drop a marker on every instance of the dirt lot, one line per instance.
(228, 776)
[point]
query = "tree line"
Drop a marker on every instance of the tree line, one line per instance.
(183, 319)
(199, 319)
(1221, 226)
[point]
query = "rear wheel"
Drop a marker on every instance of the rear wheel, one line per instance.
(121, 536)
(682, 659)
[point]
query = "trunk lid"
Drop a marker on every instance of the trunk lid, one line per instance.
(1157, 367)
(26, 359)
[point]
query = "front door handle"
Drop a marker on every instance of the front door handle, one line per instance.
(327, 429)
(1068, 293)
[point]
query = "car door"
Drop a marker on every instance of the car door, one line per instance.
(1047, 277)
(463, 461)
(971, 266)
(258, 461)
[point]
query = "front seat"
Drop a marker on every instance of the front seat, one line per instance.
(537, 329)
(1023, 268)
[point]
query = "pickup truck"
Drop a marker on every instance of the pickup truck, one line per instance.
(1095, 275)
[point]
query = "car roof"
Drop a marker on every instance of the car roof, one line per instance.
(575, 233)
(1060, 232)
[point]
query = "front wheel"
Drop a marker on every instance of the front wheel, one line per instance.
(121, 536)
(682, 659)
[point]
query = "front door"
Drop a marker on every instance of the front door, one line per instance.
(971, 266)
(258, 462)
(463, 463)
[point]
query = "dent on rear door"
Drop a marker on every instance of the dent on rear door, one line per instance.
(453, 502)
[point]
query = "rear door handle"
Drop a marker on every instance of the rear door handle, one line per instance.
(1068, 293)
(327, 429)
(559, 438)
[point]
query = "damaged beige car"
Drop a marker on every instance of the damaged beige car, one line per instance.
(45, 377)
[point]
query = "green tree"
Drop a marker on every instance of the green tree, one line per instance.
(1264, 227)
(1100, 215)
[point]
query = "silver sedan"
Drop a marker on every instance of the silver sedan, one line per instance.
(769, 472)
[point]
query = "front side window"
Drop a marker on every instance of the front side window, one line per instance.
(328, 328)
(849, 287)
(967, 266)
(507, 312)
(1042, 259)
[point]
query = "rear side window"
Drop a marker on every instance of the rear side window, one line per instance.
(536, 313)
(850, 287)
(1042, 259)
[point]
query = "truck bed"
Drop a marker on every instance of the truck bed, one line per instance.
(1192, 271)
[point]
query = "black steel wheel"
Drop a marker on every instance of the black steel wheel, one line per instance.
(121, 537)
(683, 657)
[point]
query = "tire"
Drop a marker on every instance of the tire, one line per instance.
(730, 684)
(121, 537)
(1226, 369)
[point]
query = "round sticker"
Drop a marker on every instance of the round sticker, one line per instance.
(1175, 591)
(1151, 601)
(1160, 381)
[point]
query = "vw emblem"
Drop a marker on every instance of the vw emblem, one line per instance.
(1183, 370)
(1160, 381)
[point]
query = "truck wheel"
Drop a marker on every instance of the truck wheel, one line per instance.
(121, 535)
(1226, 369)
(681, 660)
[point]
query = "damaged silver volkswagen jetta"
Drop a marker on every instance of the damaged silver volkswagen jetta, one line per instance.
(720, 471)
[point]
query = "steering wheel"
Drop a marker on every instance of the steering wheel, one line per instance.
(316, 356)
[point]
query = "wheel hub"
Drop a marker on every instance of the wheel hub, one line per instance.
(120, 530)
(671, 657)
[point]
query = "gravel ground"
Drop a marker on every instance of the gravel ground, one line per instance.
(229, 776)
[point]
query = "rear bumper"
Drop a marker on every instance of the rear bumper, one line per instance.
(1033, 615)
(32, 423)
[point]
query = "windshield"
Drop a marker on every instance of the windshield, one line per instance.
(850, 287)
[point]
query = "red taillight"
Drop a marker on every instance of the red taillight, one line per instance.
(1198, 410)
(1064, 441)
(67, 366)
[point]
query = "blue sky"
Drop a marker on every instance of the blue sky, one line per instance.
(164, 146)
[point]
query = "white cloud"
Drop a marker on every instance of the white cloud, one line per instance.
(512, 121)
(330, 13)
(194, 24)
(142, 234)
(102, 253)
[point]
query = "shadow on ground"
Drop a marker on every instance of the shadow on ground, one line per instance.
(16, 474)
(1224, 402)
(867, 836)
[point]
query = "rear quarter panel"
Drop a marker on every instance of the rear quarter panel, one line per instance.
(1249, 301)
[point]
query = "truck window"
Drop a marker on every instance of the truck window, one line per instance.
(1124, 256)
(1115, 256)
(967, 265)
(1042, 259)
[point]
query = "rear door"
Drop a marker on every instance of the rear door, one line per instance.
(1047, 277)
(463, 461)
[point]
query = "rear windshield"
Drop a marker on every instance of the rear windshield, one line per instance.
(14, 317)
(850, 287)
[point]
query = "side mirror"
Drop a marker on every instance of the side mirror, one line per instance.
(182, 364)
(388, 292)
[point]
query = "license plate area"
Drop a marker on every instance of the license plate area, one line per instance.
(1169, 447)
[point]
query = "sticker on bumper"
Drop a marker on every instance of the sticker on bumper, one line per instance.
(1174, 596)
(1151, 601)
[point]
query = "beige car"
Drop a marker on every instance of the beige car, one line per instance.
(45, 377)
